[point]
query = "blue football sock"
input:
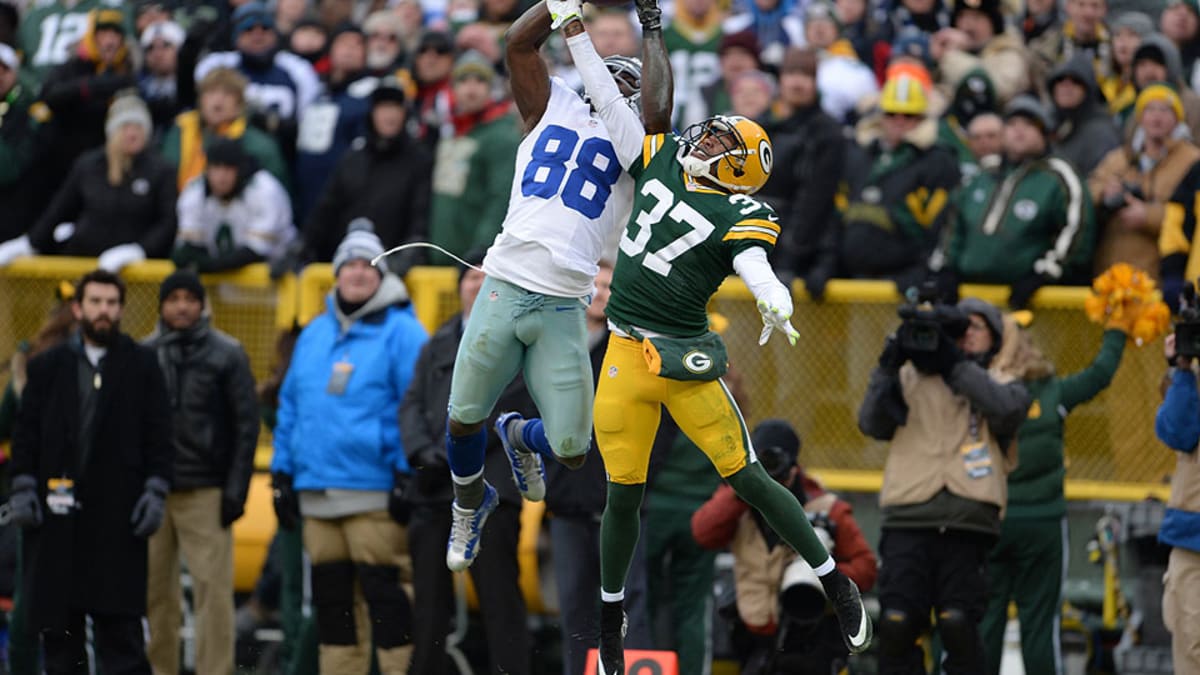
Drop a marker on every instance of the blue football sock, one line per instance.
(465, 453)
(533, 437)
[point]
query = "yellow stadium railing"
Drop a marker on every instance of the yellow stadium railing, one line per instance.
(1111, 449)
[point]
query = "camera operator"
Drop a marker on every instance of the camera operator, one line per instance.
(779, 598)
(951, 421)
(1178, 425)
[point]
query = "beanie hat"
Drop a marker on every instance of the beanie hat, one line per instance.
(1030, 108)
(473, 63)
(991, 8)
(343, 28)
(127, 109)
(250, 15)
(1159, 91)
(745, 40)
(989, 312)
(167, 31)
(799, 60)
(360, 243)
(821, 9)
(109, 19)
(913, 42)
(185, 279)
(225, 152)
(778, 434)
(1138, 22)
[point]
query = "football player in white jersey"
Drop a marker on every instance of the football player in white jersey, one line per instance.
(569, 195)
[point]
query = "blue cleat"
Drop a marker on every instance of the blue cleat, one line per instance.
(465, 528)
(529, 473)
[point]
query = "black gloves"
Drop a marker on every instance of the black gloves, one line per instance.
(398, 506)
(649, 14)
(431, 471)
(231, 510)
(893, 355)
(150, 508)
(1023, 290)
(815, 282)
(287, 505)
(941, 360)
(23, 503)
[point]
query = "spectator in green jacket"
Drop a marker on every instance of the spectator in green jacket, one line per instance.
(1035, 208)
(1027, 564)
(473, 169)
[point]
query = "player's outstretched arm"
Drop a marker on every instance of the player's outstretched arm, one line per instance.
(658, 84)
(527, 71)
(773, 298)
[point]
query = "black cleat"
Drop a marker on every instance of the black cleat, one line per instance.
(613, 625)
(847, 603)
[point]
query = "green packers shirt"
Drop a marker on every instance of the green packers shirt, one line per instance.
(679, 244)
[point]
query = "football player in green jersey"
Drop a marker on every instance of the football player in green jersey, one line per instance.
(693, 223)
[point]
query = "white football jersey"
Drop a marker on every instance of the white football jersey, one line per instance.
(570, 195)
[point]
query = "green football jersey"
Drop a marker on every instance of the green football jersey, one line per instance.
(679, 244)
(50, 32)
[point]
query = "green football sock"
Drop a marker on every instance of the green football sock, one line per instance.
(782, 511)
(619, 534)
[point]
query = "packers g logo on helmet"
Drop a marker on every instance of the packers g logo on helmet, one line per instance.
(745, 163)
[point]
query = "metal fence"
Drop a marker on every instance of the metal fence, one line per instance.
(816, 385)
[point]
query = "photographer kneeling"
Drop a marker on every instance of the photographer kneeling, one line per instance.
(1178, 425)
(951, 422)
(780, 601)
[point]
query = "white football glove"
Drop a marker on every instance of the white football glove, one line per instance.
(776, 318)
(15, 248)
(562, 11)
(119, 256)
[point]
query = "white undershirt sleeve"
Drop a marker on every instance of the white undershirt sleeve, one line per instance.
(752, 266)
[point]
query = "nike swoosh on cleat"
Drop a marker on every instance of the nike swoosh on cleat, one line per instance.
(858, 639)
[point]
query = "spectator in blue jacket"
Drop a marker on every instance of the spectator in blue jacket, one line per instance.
(340, 463)
(1178, 425)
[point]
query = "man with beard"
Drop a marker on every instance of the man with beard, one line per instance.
(91, 468)
(216, 431)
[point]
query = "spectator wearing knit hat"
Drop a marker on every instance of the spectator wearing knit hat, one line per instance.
(1156, 59)
(387, 42)
(340, 463)
(78, 92)
(118, 202)
(473, 169)
(281, 84)
(1084, 130)
(1133, 184)
(158, 81)
(431, 66)
(809, 154)
(235, 215)
(385, 178)
(979, 39)
(1128, 31)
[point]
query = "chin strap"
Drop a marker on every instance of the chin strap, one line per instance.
(694, 166)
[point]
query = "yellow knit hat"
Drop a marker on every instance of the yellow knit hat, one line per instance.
(1159, 91)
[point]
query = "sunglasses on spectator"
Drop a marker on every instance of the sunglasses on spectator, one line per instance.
(390, 37)
(442, 50)
(258, 26)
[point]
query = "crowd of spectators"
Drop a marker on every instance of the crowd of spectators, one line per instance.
(914, 140)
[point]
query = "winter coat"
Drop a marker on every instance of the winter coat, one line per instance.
(760, 557)
(284, 85)
(1191, 101)
(387, 181)
(472, 181)
(893, 204)
(1178, 425)
(24, 190)
(258, 217)
(348, 436)
(327, 129)
(938, 473)
(89, 560)
(423, 417)
(1084, 134)
(1045, 226)
(1139, 247)
(215, 408)
(1035, 487)
(810, 152)
(1180, 258)
(141, 210)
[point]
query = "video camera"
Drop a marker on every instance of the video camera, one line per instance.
(926, 320)
(1187, 328)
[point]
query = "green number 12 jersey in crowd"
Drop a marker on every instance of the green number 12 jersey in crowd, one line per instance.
(680, 244)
